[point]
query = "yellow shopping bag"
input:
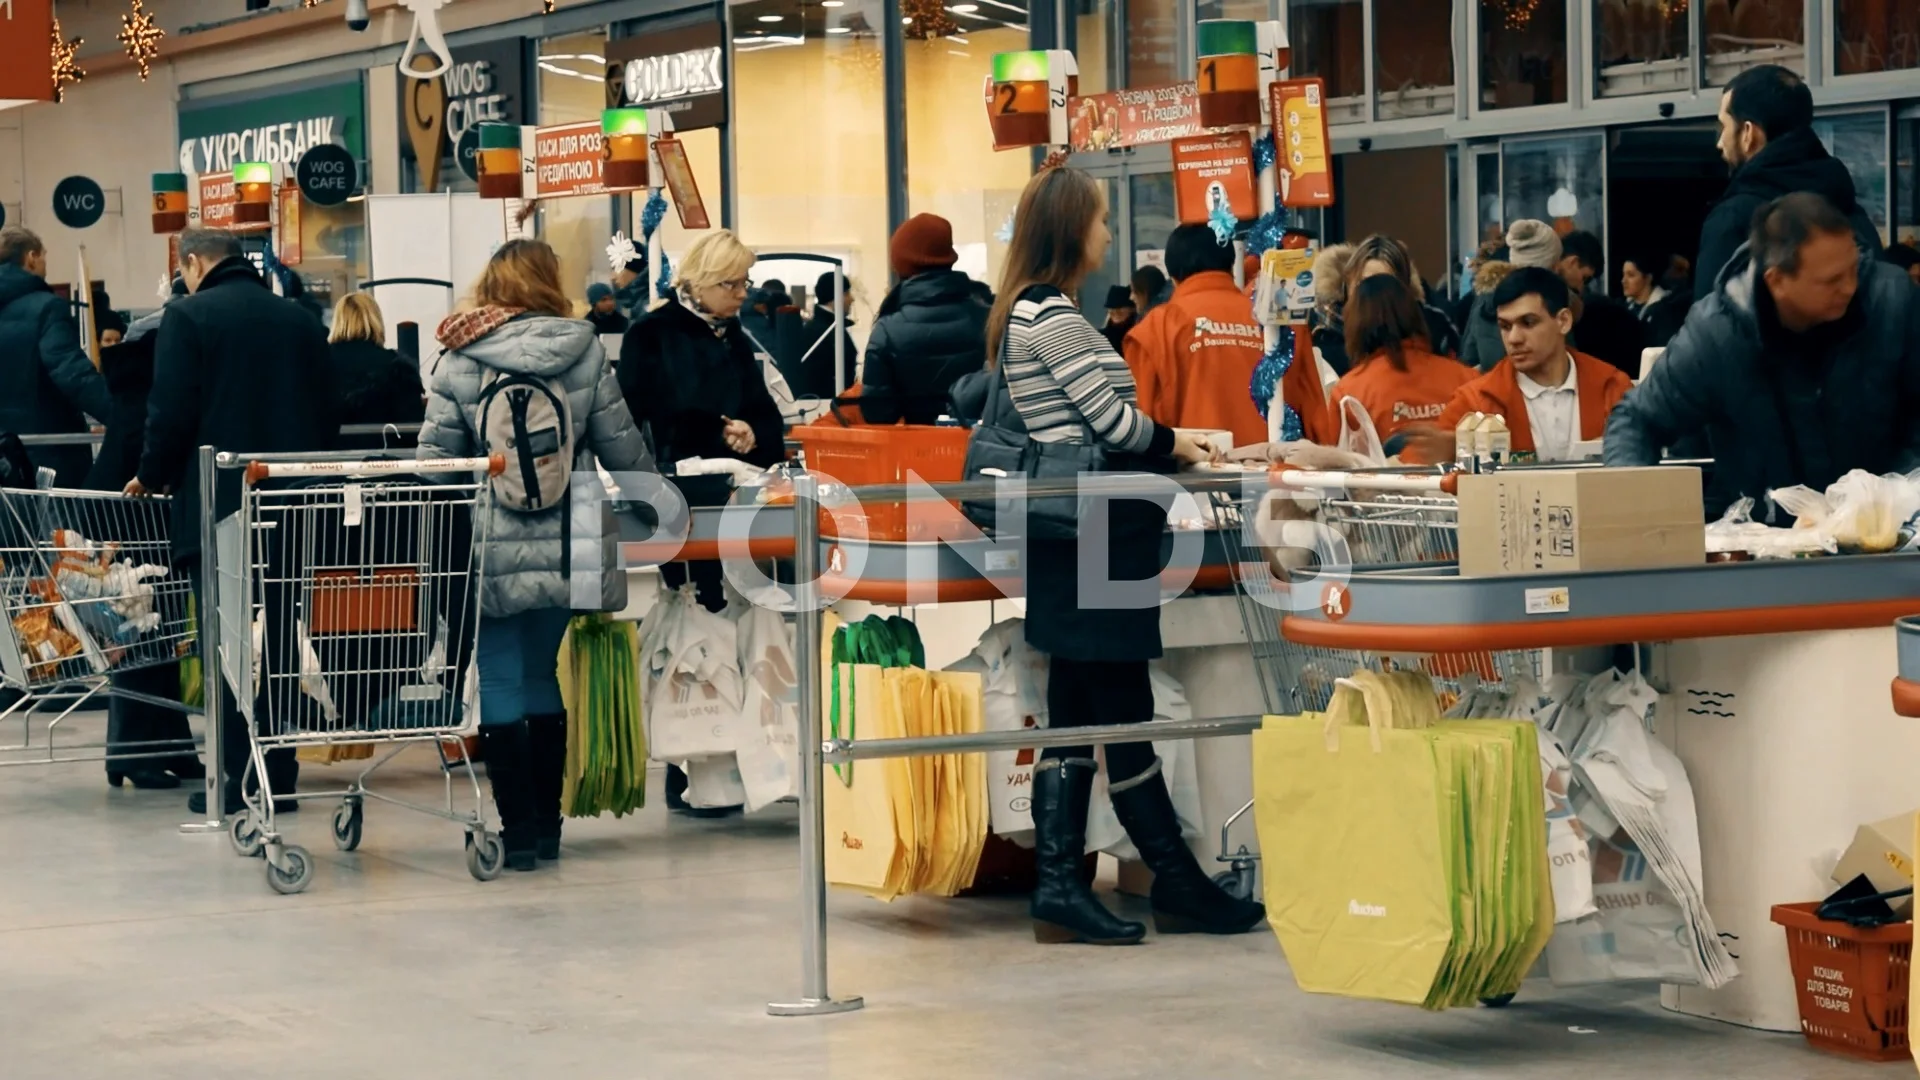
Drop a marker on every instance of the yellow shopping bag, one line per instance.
(1357, 872)
(862, 839)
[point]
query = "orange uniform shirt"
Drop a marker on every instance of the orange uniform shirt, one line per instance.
(1395, 398)
(1600, 385)
(1193, 359)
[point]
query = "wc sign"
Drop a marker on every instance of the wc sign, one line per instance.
(78, 202)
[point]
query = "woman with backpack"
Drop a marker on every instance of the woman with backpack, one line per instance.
(515, 361)
(1068, 385)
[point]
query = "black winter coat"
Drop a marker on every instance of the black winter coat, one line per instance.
(236, 368)
(376, 386)
(1781, 409)
(809, 372)
(128, 368)
(931, 331)
(1796, 161)
(46, 380)
(1608, 330)
(683, 382)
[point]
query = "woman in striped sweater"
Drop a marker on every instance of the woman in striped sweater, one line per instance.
(1069, 385)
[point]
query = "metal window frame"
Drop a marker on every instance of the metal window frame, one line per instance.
(1865, 86)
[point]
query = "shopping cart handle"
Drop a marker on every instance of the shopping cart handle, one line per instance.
(1293, 476)
(493, 465)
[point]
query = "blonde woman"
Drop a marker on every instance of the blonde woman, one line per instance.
(517, 324)
(376, 384)
(690, 373)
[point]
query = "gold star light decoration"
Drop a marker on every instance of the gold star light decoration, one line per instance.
(65, 71)
(141, 37)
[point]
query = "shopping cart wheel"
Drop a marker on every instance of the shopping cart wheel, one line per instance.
(346, 824)
(1500, 1002)
(244, 832)
(298, 874)
(486, 855)
(1236, 883)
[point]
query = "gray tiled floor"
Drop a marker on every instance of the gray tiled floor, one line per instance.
(127, 950)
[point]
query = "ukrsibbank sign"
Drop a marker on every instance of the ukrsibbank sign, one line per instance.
(278, 128)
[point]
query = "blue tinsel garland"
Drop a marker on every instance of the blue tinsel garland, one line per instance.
(1266, 380)
(651, 215)
(1263, 154)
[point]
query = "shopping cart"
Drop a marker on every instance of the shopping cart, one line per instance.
(1367, 523)
(349, 606)
(89, 591)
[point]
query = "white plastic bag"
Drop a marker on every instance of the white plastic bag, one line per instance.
(715, 781)
(695, 702)
(1737, 533)
(767, 739)
(1357, 434)
(1858, 513)
(1013, 678)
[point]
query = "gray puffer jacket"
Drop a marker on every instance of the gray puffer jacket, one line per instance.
(525, 566)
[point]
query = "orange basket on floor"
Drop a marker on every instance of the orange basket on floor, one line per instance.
(886, 455)
(1851, 982)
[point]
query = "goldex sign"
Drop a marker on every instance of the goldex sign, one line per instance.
(681, 71)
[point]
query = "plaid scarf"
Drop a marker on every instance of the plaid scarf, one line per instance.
(714, 322)
(463, 328)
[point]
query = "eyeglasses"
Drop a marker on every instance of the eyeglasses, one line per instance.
(736, 285)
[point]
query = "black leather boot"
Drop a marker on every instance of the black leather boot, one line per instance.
(548, 733)
(1064, 908)
(510, 774)
(1185, 899)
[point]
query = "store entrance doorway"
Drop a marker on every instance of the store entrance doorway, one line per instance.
(1661, 181)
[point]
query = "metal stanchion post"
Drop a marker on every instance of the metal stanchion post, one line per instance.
(207, 635)
(814, 999)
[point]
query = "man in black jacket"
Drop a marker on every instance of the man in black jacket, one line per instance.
(1766, 137)
(236, 368)
(47, 382)
(1803, 365)
(1605, 329)
(931, 329)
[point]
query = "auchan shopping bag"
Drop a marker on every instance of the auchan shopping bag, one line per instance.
(1359, 868)
(864, 846)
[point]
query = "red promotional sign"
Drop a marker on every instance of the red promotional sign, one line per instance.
(681, 184)
(569, 159)
(26, 59)
(290, 251)
(216, 201)
(1301, 143)
(1134, 117)
(1210, 170)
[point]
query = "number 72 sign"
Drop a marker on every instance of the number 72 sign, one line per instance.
(1027, 98)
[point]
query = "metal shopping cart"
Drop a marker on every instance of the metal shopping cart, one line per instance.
(88, 590)
(1371, 523)
(349, 607)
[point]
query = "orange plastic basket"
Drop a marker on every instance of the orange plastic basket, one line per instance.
(887, 455)
(343, 602)
(1851, 982)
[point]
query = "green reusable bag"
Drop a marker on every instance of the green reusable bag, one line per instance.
(599, 670)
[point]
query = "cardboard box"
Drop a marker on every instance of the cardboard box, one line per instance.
(1882, 850)
(1552, 521)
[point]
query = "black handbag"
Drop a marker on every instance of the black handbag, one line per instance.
(1001, 448)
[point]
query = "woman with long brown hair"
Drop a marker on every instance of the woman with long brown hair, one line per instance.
(1069, 386)
(1395, 375)
(516, 327)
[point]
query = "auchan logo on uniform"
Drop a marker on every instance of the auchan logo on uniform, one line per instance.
(1366, 911)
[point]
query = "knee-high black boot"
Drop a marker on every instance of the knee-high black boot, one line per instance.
(510, 774)
(548, 734)
(1064, 908)
(1185, 899)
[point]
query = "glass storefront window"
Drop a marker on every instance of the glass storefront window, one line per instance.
(1859, 140)
(1906, 182)
(1523, 53)
(1640, 46)
(1093, 291)
(1490, 221)
(1152, 39)
(1413, 57)
(1875, 35)
(952, 169)
(1741, 34)
(1328, 40)
(1095, 27)
(1559, 180)
(809, 135)
(1255, 10)
(573, 87)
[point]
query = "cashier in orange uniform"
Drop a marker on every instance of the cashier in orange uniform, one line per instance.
(1551, 396)
(1193, 357)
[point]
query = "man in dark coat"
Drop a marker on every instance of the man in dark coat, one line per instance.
(1767, 138)
(931, 329)
(810, 374)
(236, 368)
(1606, 329)
(1802, 365)
(48, 386)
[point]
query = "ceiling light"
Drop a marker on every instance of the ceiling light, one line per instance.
(906, 20)
(838, 30)
(964, 9)
(770, 18)
(833, 3)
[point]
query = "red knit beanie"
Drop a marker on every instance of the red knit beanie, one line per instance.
(924, 242)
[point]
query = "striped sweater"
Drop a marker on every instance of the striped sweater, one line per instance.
(1066, 380)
